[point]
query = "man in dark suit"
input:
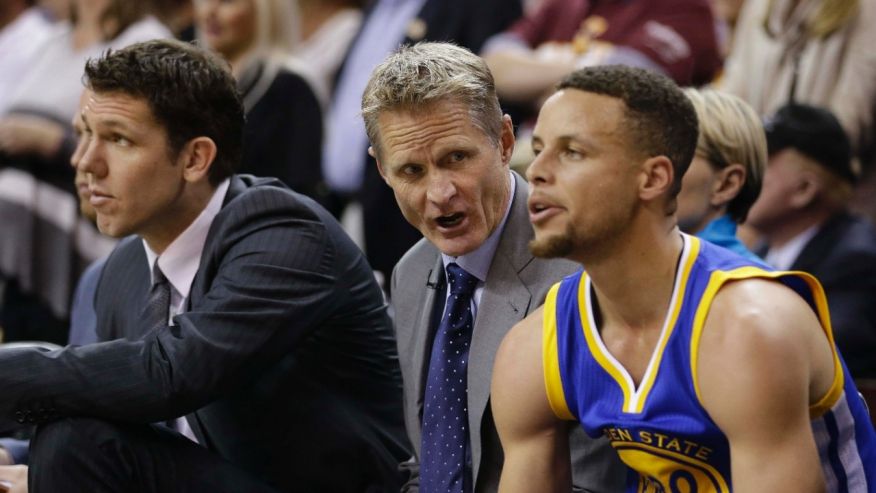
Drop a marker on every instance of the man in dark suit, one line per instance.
(803, 214)
(244, 306)
(347, 168)
(442, 144)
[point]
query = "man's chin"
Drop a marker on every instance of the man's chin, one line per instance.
(109, 229)
(554, 246)
(456, 246)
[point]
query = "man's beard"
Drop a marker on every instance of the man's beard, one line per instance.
(554, 246)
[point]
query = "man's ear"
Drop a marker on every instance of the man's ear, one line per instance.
(506, 139)
(728, 182)
(373, 153)
(806, 191)
(197, 157)
(656, 178)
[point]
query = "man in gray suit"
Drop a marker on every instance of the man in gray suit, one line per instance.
(238, 303)
(443, 145)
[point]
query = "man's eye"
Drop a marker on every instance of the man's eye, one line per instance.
(410, 170)
(456, 157)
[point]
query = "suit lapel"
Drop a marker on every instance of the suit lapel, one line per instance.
(821, 244)
(432, 300)
(504, 302)
(237, 185)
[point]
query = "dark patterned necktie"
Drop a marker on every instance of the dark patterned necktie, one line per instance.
(157, 308)
(444, 463)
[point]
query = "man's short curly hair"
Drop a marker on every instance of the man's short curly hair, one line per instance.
(660, 119)
(190, 91)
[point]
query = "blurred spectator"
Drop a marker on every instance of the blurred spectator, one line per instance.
(283, 132)
(46, 245)
(52, 85)
(724, 178)
(726, 15)
(327, 28)
(676, 38)
(56, 10)
(349, 172)
(178, 16)
(23, 28)
(803, 215)
(818, 52)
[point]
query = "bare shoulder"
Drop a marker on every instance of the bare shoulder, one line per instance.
(761, 341)
(518, 389)
(755, 315)
(519, 354)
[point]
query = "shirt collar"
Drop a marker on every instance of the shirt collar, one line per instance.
(477, 262)
(783, 257)
(181, 259)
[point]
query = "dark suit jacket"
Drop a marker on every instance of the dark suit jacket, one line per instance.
(285, 358)
(467, 23)
(283, 133)
(842, 255)
(516, 284)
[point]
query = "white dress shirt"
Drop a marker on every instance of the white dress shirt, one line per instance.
(783, 257)
(180, 261)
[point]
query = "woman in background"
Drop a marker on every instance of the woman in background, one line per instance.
(283, 132)
(818, 52)
(724, 178)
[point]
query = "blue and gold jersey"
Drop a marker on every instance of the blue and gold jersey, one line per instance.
(659, 428)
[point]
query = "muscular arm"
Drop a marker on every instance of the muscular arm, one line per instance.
(522, 76)
(762, 359)
(535, 441)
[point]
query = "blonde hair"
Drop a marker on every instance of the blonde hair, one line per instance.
(427, 73)
(277, 25)
(731, 132)
(829, 17)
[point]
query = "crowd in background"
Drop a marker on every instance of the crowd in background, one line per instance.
(301, 67)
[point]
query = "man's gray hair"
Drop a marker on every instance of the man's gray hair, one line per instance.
(426, 73)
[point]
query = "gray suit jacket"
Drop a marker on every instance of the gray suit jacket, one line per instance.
(516, 284)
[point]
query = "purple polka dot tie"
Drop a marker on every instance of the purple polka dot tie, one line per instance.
(445, 465)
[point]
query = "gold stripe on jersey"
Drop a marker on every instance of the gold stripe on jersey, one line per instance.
(550, 358)
(593, 345)
(719, 278)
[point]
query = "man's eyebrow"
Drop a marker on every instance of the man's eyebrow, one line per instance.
(113, 124)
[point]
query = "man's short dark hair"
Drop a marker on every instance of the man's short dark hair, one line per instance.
(190, 91)
(661, 121)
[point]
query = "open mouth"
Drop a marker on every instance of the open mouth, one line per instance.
(540, 211)
(450, 220)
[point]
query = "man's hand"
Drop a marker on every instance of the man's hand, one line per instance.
(13, 479)
(26, 134)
